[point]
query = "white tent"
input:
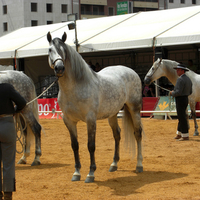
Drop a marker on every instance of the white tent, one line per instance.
(132, 31)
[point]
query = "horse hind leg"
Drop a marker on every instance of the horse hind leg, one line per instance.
(133, 125)
(193, 113)
(116, 134)
(36, 129)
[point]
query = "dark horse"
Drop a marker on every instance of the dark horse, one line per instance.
(89, 96)
(24, 85)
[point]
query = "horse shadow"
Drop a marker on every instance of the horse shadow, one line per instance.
(124, 186)
(41, 167)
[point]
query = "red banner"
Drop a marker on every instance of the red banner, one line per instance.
(46, 106)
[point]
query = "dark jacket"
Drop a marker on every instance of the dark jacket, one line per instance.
(8, 95)
(183, 86)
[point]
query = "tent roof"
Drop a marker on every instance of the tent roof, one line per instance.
(131, 31)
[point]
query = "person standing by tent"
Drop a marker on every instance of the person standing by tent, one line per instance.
(8, 137)
(191, 66)
(91, 65)
(182, 90)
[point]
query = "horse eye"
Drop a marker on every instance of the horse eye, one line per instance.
(49, 50)
(152, 68)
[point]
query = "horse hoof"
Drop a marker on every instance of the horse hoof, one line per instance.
(139, 169)
(113, 168)
(89, 179)
(76, 178)
(21, 161)
(35, 163)
(196, 133)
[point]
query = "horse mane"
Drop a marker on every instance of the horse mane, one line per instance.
(79, 69)
(170, 63)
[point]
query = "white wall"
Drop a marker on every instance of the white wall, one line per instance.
(19, 13)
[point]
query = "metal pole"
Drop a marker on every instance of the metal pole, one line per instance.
(76, 40)
(157, 81)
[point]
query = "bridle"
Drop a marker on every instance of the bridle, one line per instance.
(53, 63)
(153, 71)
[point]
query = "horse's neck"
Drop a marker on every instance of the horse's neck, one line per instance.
(76, 71)
(170, 71)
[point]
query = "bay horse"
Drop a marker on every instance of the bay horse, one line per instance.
(24, 85)
(89, 96)
(164, 67)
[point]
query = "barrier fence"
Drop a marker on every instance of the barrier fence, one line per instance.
(49, 108)
(58, 114)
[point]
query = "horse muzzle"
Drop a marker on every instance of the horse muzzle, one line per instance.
(147, 80)
(59, 70)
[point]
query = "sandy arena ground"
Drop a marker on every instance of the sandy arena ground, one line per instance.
(171, 168)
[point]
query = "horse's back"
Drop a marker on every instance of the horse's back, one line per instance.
(20, 81)
(119, 74)
(118, 69)
(119, 85)
(195, 78)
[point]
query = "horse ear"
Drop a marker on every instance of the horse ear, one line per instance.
(64, 37)
(49, 37)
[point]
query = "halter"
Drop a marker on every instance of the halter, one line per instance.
(154, 71)
(53, 63)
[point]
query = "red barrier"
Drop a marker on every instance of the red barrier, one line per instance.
(149, 103)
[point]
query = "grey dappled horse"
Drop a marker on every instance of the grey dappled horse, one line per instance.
(164, 67)
(24, 85)
(89, 96)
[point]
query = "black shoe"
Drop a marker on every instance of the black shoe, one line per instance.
(183, 138)
(177, 137)
(7, 195)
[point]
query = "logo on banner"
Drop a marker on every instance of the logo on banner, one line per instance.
(166, 103)
(50, 106)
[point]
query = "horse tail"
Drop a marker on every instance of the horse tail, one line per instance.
(130, 128)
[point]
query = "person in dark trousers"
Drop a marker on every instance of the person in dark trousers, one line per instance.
(9, 97)
(182, 90)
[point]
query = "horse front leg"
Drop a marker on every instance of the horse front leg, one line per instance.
(75, 147)
(91, 128)
(116, 134)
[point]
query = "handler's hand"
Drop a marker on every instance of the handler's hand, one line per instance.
(170, 93)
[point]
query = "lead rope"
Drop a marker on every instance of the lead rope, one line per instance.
(18, 124)
(19, 128)
(43, 92)
(171, 99)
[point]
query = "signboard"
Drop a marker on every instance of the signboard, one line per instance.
(166, 103)
(124, 7)
(49, 104)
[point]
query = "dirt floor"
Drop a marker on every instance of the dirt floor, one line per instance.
(171, 168)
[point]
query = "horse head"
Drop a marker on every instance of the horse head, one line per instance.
(151, 76)
(56, 55)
